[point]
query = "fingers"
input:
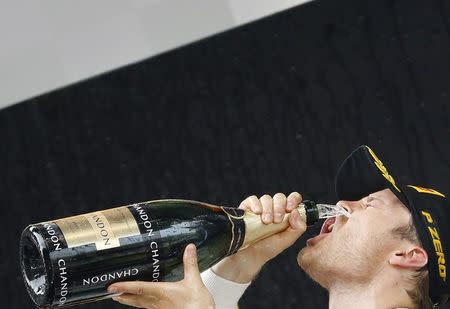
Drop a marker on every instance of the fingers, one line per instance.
(296, 222)
(191, 271)
(138, 287)
(272, 209)
(279, 207)
(285, 239)
(293, 200)
(267, 208)
(161, 294)
(252, 204)
(136, 301)
(262, 206)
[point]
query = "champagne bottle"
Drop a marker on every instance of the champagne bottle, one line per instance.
(73, 260)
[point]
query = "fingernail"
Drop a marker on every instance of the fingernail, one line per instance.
(115, 298)
(112, 289)
(267, 217)
(191, 249)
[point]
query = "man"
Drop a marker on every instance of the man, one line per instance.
(390, 253)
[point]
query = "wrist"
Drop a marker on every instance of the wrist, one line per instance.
(237, 269)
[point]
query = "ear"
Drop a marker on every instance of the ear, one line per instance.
(413, 257)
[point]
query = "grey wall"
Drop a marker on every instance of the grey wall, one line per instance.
(48, 44)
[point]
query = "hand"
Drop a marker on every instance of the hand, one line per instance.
(243, 266)
(189, 293)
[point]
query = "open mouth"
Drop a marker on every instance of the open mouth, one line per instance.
(327, 228)
(328, 225)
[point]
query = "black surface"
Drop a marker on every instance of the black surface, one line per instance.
(271, 106)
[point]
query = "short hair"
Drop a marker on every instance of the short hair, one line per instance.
(419, 293)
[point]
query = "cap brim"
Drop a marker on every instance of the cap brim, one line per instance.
(363, 173)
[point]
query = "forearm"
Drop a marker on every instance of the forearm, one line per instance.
(237, 269)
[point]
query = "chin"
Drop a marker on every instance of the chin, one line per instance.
(307, 258)
(311, 261)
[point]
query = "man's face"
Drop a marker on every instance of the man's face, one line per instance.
(359, 246)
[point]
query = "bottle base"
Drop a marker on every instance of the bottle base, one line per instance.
(35, 270)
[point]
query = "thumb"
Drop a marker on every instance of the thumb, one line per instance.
(286, 238)
(191, 272)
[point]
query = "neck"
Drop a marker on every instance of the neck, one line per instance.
(386, 291)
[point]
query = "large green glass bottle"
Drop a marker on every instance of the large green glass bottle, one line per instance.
(73, 260)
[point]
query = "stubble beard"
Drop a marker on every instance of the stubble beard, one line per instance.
(329, 262)
(315, 261)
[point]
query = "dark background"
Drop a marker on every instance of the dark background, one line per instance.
(272, 106)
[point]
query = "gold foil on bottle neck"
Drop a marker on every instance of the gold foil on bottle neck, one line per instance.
(256, 230)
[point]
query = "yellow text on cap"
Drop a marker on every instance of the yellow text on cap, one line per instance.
(426, 190)
(383, 169)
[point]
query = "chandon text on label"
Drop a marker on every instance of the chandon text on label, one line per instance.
(153, 245)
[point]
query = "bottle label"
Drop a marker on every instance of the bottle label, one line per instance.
(103, 228)
(236, 217)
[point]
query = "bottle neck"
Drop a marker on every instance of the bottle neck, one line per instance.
(256, 230)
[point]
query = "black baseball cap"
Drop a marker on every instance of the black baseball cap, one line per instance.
(363, 173)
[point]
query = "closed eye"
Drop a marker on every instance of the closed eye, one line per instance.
(367, 201)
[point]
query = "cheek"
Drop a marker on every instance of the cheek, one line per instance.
(363, 233)
(369, 234)
(360, 227)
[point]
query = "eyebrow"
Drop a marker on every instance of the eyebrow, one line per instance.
(370, 198)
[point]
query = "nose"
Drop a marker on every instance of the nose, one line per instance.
(350, 206)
